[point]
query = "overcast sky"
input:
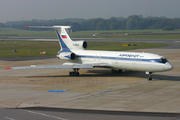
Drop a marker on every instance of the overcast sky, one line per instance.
(15, 10)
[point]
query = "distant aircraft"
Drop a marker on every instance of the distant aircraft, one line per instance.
(76, 55)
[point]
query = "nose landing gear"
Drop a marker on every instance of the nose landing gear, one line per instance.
(150, 75)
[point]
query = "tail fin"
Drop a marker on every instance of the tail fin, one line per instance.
(64, 39)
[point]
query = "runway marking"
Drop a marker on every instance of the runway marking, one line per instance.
(9, 118)
(42, 114)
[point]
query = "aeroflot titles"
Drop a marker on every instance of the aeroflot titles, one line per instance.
(75, 44)
(130, 55)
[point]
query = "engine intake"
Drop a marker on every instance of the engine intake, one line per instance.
(72, 56)
(84, 44)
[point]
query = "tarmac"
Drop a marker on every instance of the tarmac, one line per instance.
(94, 89)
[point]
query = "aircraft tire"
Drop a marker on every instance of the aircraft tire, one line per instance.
(116, 71)
(119, 71)
(70, 73)
(73, 73)
(149, 78)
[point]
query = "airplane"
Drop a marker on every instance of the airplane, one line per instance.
(74, 52)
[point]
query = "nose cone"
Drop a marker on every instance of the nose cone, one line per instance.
(168, 66)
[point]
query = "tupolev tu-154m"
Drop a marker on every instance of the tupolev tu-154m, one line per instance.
(74, 52)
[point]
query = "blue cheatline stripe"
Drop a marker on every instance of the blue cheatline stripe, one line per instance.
(63, 45)
(117, 58)
(68, 56)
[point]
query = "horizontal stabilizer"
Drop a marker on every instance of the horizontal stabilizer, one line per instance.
(49, 27)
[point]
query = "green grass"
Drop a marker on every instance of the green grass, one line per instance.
(118, 46)
(33, 48)
(26, 33)
(29, 48)
(130, 31)
(166, 36)
(4, 32)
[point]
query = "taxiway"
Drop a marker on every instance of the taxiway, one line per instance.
(95, 89)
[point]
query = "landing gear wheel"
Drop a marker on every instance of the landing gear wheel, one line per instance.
(116, 71)
(119, 71)
(71, 73)
(149, 78)
(74, 73)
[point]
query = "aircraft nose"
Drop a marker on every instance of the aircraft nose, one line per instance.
(168, 66)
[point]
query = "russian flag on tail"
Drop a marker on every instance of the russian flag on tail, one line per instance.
(64, 36)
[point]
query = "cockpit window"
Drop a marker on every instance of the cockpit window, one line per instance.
(162, 60)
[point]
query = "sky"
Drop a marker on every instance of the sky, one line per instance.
(16, 10)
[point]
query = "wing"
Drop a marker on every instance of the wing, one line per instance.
(65, 65)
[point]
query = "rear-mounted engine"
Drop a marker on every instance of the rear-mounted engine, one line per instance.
(67, 56)
(79, 45)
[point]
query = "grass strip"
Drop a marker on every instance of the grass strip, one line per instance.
(33, 48)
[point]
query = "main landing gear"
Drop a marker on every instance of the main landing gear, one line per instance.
(74, 73)
(116, 71)
(150, 75)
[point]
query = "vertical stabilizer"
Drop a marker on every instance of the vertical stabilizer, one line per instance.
(64, 39)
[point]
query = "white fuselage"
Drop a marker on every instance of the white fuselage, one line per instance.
(124, 60)
(74, 51)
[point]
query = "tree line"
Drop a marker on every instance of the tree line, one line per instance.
(133, 22)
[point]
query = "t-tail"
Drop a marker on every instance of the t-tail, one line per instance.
(66, 44)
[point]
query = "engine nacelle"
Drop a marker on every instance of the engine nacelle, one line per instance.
(79, 45)
(67, 56)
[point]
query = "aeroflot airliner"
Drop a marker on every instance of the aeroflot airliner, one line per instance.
(76, 55)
